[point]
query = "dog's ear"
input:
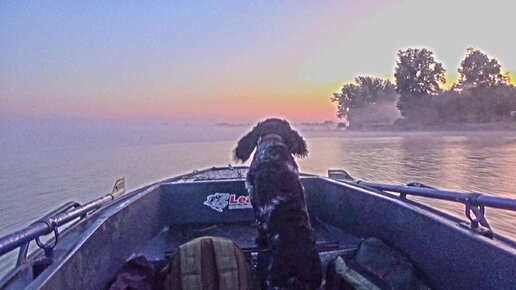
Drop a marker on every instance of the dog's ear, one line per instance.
(296, 144)
(246, 145)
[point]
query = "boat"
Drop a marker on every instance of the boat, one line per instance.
(90, 242)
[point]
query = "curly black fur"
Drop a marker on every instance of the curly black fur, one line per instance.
(295, 143)
(279, 204)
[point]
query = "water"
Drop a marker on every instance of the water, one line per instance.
(484, 163)
(33, 182)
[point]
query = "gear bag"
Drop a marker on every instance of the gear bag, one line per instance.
(208, 263)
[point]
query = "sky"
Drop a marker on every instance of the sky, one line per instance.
(222, 61)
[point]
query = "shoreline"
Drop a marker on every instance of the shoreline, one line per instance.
(48, 139)
(397, 131)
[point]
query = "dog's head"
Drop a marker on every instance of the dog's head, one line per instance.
(294, 142)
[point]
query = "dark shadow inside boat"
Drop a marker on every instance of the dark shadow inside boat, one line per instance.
(331, 241)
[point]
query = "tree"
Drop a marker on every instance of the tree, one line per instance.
(477, 70)
(363, 92)
(376, 89)
(478, 105)
(349, 97)
(417, 74)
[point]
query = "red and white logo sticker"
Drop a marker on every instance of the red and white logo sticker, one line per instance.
(219, 201)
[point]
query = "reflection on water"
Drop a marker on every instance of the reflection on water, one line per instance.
(35, 182)
(481, 163)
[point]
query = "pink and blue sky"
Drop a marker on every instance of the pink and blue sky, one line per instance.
(214, 61)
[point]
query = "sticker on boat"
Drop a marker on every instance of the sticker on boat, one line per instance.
(219, 201)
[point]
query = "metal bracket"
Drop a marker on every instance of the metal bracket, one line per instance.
(339, 174)
(419, 184)
(24, 249)
(22, 254)
(479, 222)
(483, 231)
(49, 249)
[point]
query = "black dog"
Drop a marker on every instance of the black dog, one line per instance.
(279, 205)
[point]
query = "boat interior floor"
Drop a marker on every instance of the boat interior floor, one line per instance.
(331, 241)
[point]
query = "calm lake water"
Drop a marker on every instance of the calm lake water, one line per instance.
(33, 182)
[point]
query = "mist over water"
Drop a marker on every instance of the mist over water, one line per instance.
(73, 134)
(37, 177)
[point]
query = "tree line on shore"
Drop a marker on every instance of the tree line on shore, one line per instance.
(482, 93)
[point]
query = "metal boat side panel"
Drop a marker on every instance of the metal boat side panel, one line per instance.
(104, 248)
(188, 203)
(450, 256)
(129, 225)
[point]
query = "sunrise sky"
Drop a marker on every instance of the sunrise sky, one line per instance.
(214, 61)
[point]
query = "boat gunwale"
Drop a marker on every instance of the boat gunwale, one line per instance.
(434, 213)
